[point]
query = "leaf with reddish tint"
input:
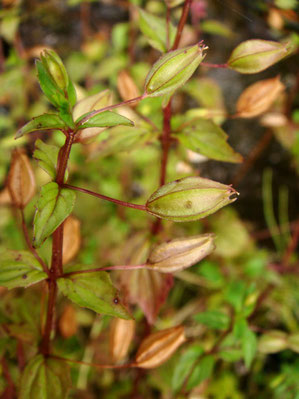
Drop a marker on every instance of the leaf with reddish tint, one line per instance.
(20, 180)
(148, 289)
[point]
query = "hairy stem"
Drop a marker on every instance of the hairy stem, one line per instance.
(104, 197)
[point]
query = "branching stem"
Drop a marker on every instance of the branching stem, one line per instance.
(96, 365)
(57, 245)
(101, 269)
(104, 197)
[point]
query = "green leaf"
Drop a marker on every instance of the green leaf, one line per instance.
(123, 139)
(202, 371)
(19, 269)
(214, 319)
(46, 155)
(53, 207)
(71, 92)
(235, 294)
(205, 137)
(256, 55)
(66, 115)
(154, 28)
(184, 366)
(214, 27)
(49, 87)
(104, 119)
(249, 346)
(45, 378)
(94, 291)
(42, 122)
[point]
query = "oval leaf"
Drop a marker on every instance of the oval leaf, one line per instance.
(154, 28)
(105, 119)
(45, 378)
(42, 122)
(20, 269)
(93, 290)
(207, 138)
(47, 156)
(53, 207)
(54, 94)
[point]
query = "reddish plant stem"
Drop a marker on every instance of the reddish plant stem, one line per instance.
(181, 24)
(105, 198)
(84, 19)
(292, 246)
(29, 244)
(166, 134)
(45, 345)
(56, 264)
(207, 64)
(9, 392)
(101, 366)
(101, 269)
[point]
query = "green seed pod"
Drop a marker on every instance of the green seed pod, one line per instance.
(189, 199)
(55, 68)
(254, 56)
(273, 342)
(181, 253)
(173, 69)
